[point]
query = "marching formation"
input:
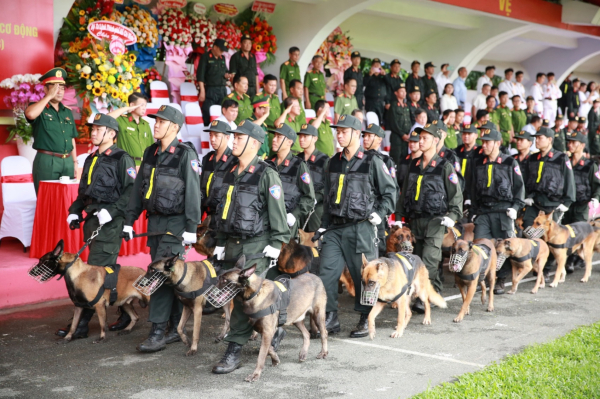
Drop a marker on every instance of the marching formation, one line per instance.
(283, 233)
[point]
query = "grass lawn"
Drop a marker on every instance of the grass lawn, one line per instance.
(568, 367)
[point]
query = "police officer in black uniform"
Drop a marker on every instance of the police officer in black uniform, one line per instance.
(376, 90)
(415, 152)
(355, 72)
(212, 75)
(524, 140)
(393, 80)
(398, 121)
(243, 63)
(559, 143)
(414, 102)
(104, 189)
(168, 188)
(466, 154)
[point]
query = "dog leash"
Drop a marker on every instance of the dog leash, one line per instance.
(167, 233)
(337, 227)
(87, 243)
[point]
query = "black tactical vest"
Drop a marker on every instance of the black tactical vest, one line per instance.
(289, 182)
(551, 182)
(351, 195)
(163, 188)
(211, 180)
(402, 172)
(316, 165)
(583, 188)
(240, 211)
(103, 185)
(426, 193)
(494, 180)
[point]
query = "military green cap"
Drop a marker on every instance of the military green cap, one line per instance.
(490, 135)
(487, 125)
(348, 121)
(169, 113)
(524, 135)
(375, 129)
(469, 128)
(251, 129)
(414, 136)
(545, 122)
(376, 60)
(309, 129)
(431, 128)
(222, 44)
(414, 89)
(581, 119)
(285, 130)
(559, 117)
(105, 120)
(55, 75)
(572, 119)
(544, 131)
(395, 61)
(218, 126)
(577, 136)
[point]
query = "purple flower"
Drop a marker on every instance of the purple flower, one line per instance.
(39, 88)
(25, 86)
(35, 98)
(14, 95)
(7, 101)
(21, 95)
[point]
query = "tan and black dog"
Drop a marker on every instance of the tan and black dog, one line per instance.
(480, 263)
(205, 239)
(84, 283)
(400, 239)
(468, 234)
(578, 237)
(191, 280)
(524, 255)
(296, 259)
(305, 294)
(399, 277)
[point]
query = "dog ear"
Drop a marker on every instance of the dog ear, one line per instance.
(171, 262)
(365, 262)
(541, 213)
(507, 244)
(470, 245)
(248, 272)
(241, 262)
(59, 249)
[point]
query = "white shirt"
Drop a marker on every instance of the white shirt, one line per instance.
(520, 90)
(552, 91)
(442, 80)
(584, 108)
(479, 103)
(233, 127)
(448, 102)
(483, 80)
(509, 87)
(537, 92)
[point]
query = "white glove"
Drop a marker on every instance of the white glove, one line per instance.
(467, 202)
(446, 221)
(511, 213)
(374, 219)
(397, 223)
(291, 219)
(594, 203)
(271, 252)
(72, 217)
(189, 238)
(103, 216)
(219, 253)
(562, 208)
(128, 230)
(529, 201)
(321, 230)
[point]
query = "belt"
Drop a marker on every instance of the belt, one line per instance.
(138, 159)
(316, 95)
(55, 154)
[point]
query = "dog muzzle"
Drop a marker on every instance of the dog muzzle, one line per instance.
(406, 246)
(42, 272)
(533, 232)
(457, 261)
(219, 297)
(368, 296)
(148, 284)
(500, 261)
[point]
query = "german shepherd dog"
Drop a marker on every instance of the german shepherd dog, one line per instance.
(307, 295)
(187, 277)
(400, 240)
(524, 255)
(468, 235)
(84, 282)
(389, 274)
(579, 237)
(206, 240)
(476, 265)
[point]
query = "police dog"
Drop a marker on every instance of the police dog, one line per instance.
(560, 239)
(400, 239)
(191, 277)
(468, 235)
(205, 238)
(389, 274)
(84, 282)
(524, 255)
(307, 295)
(475, 269)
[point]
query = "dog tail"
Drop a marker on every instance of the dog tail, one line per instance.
(434, 297)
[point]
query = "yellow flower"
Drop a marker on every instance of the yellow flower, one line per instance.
(101, 54)
(132, 57)
(85, 76)
(89, 87)
(99, 76)
(98, 91)
(114, 94)
(78, 67)
(97, 61)
(112, 71)
(101, 68)
(82, 13)
(82, 29)
(96, 84)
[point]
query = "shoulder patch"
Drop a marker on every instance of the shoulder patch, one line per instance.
(518, 170)
(305, 177)
(568, 162)
(230, 95)
(453, 178)
(194, 163)
(597, 174)
(275, 191)
(133, 173)
(393, 172)
(385, 169)
(457, 166)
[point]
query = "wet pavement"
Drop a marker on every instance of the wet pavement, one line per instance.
(34, 365)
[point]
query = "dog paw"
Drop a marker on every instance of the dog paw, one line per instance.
(511, 292)
(322, 355)
(427, 321)
(99, 341)
(490, 309)
(65, 340)
(191, 352)
(252, 377)
(394, 305)
(371, 334)
(458, 319)
(397, 334)
(302, 357)
(534, 291)
(219, 338)
(553, 285)
(124, 332)
(253, 336)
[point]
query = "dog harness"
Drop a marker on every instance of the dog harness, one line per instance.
(484, 251)
(408, 262)
(210, 280)
(577, 233)
(533, 253)
(282, 283)
(110, 283)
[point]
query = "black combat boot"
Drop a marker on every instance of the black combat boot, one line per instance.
(418, 306)
(499, 287)
(82, 328)
(122, 322)
(156, 339)
(332, 325)
(230, 361)
(277, 338)
(570, 264)
(362, 328)
(173, 335)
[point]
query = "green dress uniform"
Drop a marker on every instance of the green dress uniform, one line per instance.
(316, 162)
(356, 74)
(452, 139)
(550, 182)
(354, 189)
(429, 194)
(314, 81)
(559, 143)
(530, 114)
(245, 108)
(587, 185)
(265, 148)
(274, 109)
(247, 230)
(134, 137)
(503, 117)
(398, 121)
(326, 142)
(211, 71)
(296, 124)
(375, 95)
(519, 119)
(393, 83)
(245, 65)
(168, 188)
(289, 71)
(345, 104)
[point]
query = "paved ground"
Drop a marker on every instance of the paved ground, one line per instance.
(32, 364)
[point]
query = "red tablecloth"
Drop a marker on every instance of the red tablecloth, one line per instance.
(50, 223)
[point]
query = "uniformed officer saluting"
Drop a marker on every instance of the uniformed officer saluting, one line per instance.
(168, 188)
(358, 187)
(372, 138)
(251, 221)
(375, 89)
(298, 190)
(244, 63)
(430, 200)
(211, 77)
(497, 192)
(104, 190)
(54, 131)
(214, 166)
